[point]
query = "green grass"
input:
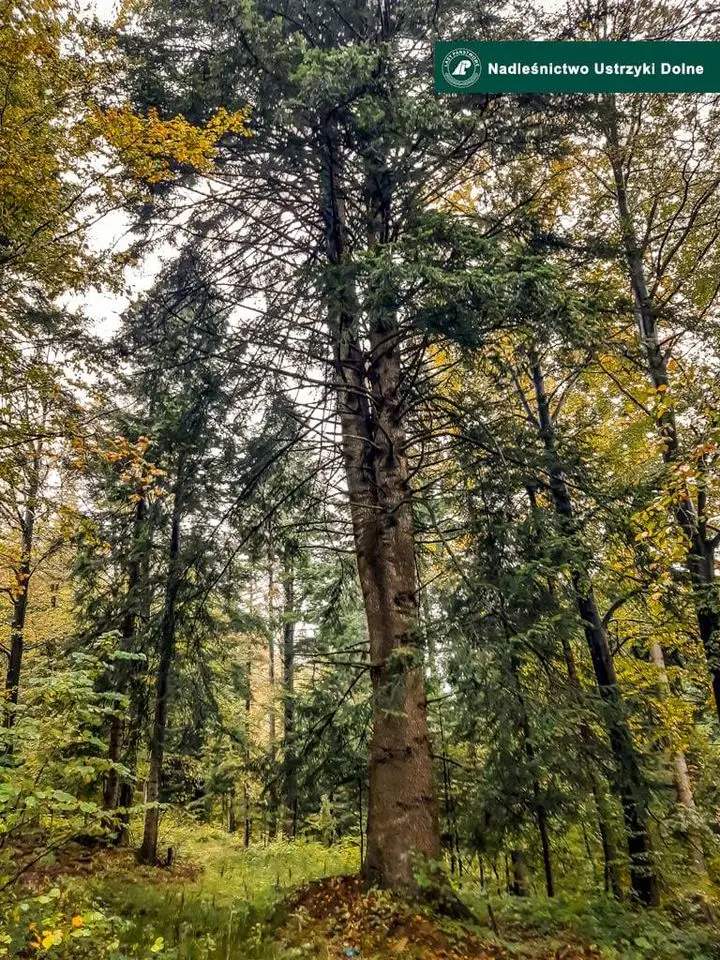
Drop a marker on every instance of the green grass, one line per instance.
(614, 929)
(232, 908)
(222, 901)
(227, 910)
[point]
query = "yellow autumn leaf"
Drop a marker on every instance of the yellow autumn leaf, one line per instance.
(51, 938)
(149, 146)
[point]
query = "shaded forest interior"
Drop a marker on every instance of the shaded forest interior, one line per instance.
(359, 493)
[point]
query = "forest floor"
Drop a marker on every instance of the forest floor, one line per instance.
(301, 901)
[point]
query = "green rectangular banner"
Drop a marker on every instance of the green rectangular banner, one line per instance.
(634, 66)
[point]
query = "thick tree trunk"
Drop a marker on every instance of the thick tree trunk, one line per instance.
(629, 782)
(690, 517)
(148, 850)
(402, 816)
(289, 758)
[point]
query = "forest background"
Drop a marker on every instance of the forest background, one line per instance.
(376, 531)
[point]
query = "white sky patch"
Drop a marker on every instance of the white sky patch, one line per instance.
(104, 9)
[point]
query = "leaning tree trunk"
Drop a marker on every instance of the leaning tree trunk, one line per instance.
(403, 824)
(148, 850)
(691, 518)
(629, 782)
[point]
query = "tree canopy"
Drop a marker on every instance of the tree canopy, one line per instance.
(379, 535)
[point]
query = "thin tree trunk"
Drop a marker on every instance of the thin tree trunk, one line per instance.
(139, 706)
(111, 792)
(680, 773)
(402, 815)
(691, 517)
(289, 759)
(148, 850)
(611, 872)
(272, 791)
(539, 806)
(272, 732)
(17, 639)
(520, 886)
(111, 789)
(612, 880)
(449, 799)
(138, 717)
(360, 821)
(629, 782)
(247, 832)
(22, 590)
(127, 784)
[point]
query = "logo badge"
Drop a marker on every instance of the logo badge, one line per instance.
(461, 68)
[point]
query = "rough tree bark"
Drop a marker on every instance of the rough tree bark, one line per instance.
(402, 815)
(629, 782)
